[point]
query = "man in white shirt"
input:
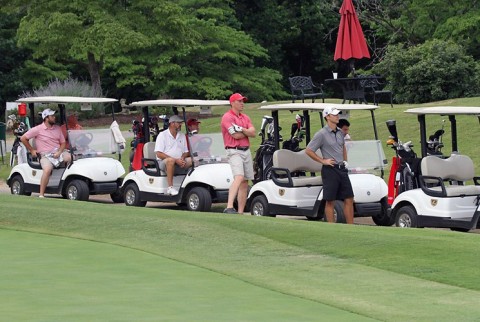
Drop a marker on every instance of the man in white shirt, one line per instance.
(172, 151)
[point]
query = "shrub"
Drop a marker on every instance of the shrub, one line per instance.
(433, 71)
(69, 87)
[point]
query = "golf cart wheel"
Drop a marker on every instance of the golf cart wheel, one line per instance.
(406, 217)
(260, 207)
(18, 186)
(383, 219)
(131, 196)
(117, 196)
(199, 199)
(77, 190)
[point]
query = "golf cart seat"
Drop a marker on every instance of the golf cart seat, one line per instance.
(149, 161)
(285, 162)
(454, 171)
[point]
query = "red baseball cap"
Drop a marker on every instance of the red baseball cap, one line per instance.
(237, 97)
(190, 122)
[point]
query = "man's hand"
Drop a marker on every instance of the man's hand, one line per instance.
(57, 154)
(330, 162)
(231, 130)
(237, 128)
(181, 162)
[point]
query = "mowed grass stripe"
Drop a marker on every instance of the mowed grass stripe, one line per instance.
(384, 273)
(51, 278)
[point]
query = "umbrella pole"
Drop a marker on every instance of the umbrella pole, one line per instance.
(351, 67)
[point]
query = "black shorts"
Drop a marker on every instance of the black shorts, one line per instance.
(336, 184)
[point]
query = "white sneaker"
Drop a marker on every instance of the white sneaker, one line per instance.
(172, 191)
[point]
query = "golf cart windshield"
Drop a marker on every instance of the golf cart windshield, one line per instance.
(208, 148)
(365, 156)
(92, 142)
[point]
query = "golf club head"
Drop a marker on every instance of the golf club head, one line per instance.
(392, 128)
(438, 134)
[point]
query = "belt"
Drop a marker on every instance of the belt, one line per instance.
(340, 166)
(241, 148)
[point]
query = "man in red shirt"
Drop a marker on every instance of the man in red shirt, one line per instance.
(236, 130)
(49, 139)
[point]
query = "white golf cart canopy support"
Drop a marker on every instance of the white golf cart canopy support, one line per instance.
(314, 107)
(450, 111)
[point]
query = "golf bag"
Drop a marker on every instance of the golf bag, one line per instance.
(297, 134)
(263, 161)
(18, 153)
(139, 138)
(405, 169)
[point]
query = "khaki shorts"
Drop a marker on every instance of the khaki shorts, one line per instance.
(178, 170)
(46, 164)
(241, 163)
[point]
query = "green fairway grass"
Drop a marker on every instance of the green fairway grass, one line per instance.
(334, 272)
(50, 278)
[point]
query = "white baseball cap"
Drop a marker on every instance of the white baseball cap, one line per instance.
(47, 112)
(329, 110)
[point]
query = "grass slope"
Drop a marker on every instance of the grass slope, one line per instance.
(382, 273)
(51, 278)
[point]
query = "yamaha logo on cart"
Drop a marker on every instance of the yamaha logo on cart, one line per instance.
(150, 180)
(281, 192)
(433, 202)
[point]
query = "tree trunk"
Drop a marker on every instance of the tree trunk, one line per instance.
(94, 71)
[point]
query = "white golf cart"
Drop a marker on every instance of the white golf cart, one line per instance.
(293, 191)
(448, 195)
(207, 181)
(93, 169)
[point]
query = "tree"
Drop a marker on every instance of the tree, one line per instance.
(77, 32)
(433, 71)
(413, 22)
(146, 47)
(11, 80)
(297, 34)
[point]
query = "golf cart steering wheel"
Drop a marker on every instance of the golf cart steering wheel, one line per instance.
(202, 145)
(83, 140)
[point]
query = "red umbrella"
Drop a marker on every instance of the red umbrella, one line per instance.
(350, 40)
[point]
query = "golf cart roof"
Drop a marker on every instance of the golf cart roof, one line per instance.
(65, 99)
(445, 110)
(316, 107)
(181, 102)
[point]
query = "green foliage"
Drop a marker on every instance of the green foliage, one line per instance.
(11, 78)
(69, 87)
(153, 48)
(434, 71)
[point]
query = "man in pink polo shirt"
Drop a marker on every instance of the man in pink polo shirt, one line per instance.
(236, 129)
(48, 139)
